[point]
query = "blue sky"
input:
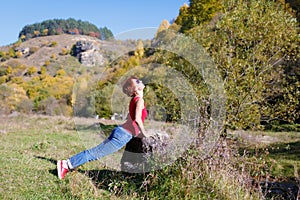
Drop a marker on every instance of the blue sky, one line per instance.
(117, 15)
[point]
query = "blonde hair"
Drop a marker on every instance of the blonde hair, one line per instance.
(129, 87)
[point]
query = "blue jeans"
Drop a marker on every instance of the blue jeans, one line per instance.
(117, 139)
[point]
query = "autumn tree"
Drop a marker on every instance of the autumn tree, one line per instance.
(23, 37)
(32, 70)
(36, 33)
(19, 54)
(11, 52)
(11, 96)
(198, 12)
(252, 45)
(45, 32)
(164, 25)
(139, 52)
(183, 12)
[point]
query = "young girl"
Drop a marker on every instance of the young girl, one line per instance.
(120, 136)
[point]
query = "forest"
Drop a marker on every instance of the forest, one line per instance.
(61, 26)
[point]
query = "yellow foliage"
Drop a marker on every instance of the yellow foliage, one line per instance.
(45, 32)
(64, 51)
(62, 86)
(133, 61)
(139, 49)
(53, 56)
(3, 54)
(19, 54)
(23, 37)
(47, 63)
(163, 26)
(36, 33)
(3, 79)
(11, 53)
(60, 72)
(18, 70)
(53, 44)
(43, 70)
(32, 70)
(16, 94)
(8, 70)
(17, 80)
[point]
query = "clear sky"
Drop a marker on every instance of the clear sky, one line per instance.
(117, 15)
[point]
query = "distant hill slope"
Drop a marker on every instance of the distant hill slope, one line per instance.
(52, 49)
(38, 75)
(45, 51)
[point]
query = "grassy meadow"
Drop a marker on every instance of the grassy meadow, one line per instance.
(30, 146)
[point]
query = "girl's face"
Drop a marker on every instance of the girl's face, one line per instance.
(139, 85)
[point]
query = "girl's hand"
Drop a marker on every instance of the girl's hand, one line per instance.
(148, 134)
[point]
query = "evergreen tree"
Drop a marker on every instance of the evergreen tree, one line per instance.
(60, 26)
(105, 34)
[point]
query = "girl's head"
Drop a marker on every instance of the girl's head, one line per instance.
(133, 86)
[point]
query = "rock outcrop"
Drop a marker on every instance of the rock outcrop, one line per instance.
(141, 154)
(88, 54)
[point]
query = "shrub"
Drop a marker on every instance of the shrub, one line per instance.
(3, 79)
(64, 51)
(25, 106)
(47, 63)
(32, 50)
(19, 54)
(53, 44)
(53, 56)
(32, 70)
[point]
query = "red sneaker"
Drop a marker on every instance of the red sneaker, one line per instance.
(61, 170)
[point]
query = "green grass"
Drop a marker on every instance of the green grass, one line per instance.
(30, 146)
(29, 149)
(280, 153)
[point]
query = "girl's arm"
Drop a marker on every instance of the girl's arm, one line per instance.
(138, 116)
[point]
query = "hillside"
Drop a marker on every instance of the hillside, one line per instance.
(45, 51)
(51, 48)
(38, 75)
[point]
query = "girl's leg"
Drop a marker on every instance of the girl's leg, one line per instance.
(118, 138)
